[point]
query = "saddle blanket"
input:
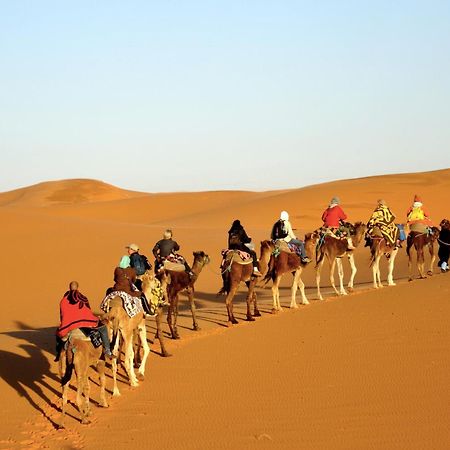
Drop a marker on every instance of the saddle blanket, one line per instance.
(238, 256)
(174, 266)
(132, 305)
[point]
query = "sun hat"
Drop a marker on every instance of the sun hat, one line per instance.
(124, 262)
(335, 201)
(133, 247)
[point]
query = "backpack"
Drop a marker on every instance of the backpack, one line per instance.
(278, 231)
(140, 263)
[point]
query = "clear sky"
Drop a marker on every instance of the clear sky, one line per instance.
(202, 95)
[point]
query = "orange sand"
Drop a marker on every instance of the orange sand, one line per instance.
(369, 370)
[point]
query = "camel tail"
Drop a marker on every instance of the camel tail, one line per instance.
(69, 367)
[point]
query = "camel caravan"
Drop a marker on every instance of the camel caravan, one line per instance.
(140, 291)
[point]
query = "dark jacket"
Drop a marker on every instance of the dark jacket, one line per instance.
(237, 237)
(164, 248)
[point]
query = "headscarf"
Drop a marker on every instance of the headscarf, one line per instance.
(284, 215)
(75, 297)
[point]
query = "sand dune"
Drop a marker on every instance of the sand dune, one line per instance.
(363, 371)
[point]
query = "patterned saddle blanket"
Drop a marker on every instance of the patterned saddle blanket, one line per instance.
(132, 305)
(238, 256)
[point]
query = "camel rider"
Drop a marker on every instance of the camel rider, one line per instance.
(75, 312)
(333, 218)
(282, 230)
(165, 248)
(125, 279)
(381, 224)
(239, 240)
(418, 217)
(138, 262)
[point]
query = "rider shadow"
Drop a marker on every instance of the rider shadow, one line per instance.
(29, 374)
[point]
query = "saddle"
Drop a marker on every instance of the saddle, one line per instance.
(418, 228)
(238, 256)
(282, 246)
(132, 305)
(174, 266)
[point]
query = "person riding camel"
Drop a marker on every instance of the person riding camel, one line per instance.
(138, 262)
(125, 279)
(282, 230)
(381, 224)
(239, 240)
(333, 220)
(167, 248)
(75, 312)
(418, 217)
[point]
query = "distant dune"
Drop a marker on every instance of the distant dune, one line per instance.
(369, 370)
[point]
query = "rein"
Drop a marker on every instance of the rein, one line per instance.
(442, 242)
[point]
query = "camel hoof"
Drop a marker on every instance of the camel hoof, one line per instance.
(250, 319)
(141, 377)
(256, 314)
(196, 328)
(85, 421)
(176, 336)
(430, 273)
(350, 289)
(116, 393)
(274, 311)
(166, 355)
(103, 405)
(295, 306)
(410, 279)
(392, 284)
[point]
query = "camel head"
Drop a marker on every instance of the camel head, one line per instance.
(200, 258)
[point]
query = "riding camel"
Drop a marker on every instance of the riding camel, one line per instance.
(419, 240)
(379, 247)
(181, 281)
(281, 262)
(79, 356)
(236, 270)
(124, 327)
(333, 249)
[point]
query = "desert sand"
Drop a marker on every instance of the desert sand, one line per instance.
(367, 370)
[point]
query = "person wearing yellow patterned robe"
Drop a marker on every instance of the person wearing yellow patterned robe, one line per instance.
(381, 223)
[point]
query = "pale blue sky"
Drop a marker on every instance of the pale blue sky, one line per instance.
(205, 95)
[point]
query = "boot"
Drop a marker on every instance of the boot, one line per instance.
(149, 310)
(256, 272)
(105, 341)
(59, 347)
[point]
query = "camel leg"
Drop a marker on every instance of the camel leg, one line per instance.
(421, 263)
(229, 304)
(65, 386)
(390, 277)
(159, 333)
(116, 392)
(142, 332)
(102, 381)
(318, 270)
(256, 312)
(276, 306)
(129, 358)
(342, 291)
(376, 272)
(170, 320)
(190, 293)
(433, 258)
(351, 260)
(333, 285)
(82, 390)
(298, 284)
(249, 300)
(410, 265)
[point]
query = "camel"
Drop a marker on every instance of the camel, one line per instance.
(178, 282)
(419, 240)
(333, 249)
(124, 327)
(237, 271)
(379, 247)
(282, 262)
(80, 355)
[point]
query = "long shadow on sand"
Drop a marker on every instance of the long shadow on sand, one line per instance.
(29, 374)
